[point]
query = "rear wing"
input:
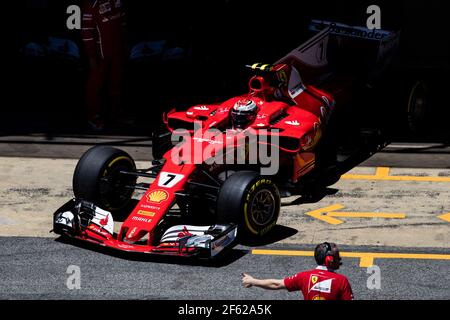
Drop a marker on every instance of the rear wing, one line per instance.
(337, 46)
(340, 29)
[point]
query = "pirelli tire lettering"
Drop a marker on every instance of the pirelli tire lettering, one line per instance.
(269, 193)
(251, 201)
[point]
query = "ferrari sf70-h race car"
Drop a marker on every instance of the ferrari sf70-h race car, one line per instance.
(210, 182)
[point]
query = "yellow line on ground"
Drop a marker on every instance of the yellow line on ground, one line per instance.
(445, 217)
(328, 215)
(366, 258)
(283, 252)
(367, 215)
(383, 173)
(318, 214)
(395, 178)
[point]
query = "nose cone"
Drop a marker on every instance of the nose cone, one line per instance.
(134, 234)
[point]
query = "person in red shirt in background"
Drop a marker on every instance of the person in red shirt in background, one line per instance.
(322, 283)
(104, 35)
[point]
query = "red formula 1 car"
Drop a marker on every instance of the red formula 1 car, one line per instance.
(220, 169)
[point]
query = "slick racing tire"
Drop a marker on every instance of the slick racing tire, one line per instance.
(251, 201)
(97, 178)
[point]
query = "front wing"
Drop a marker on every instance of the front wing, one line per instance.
(84, 221)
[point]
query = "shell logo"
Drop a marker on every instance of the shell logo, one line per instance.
(157, 196)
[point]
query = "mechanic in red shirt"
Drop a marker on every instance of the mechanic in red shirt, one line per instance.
(104, 35)
(322, 283)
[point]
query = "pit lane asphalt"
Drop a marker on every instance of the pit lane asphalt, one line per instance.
(35, 268)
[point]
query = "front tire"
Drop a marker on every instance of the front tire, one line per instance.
(251, 201)
(97, 178)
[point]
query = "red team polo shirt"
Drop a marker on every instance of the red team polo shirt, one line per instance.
(103, 28)
(320, 284)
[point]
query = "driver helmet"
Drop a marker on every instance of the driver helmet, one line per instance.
(243, 113)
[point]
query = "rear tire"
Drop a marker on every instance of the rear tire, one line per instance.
(251, 201)
(418, 106)
(97, 178)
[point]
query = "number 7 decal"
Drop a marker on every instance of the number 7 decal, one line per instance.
(169, 180)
